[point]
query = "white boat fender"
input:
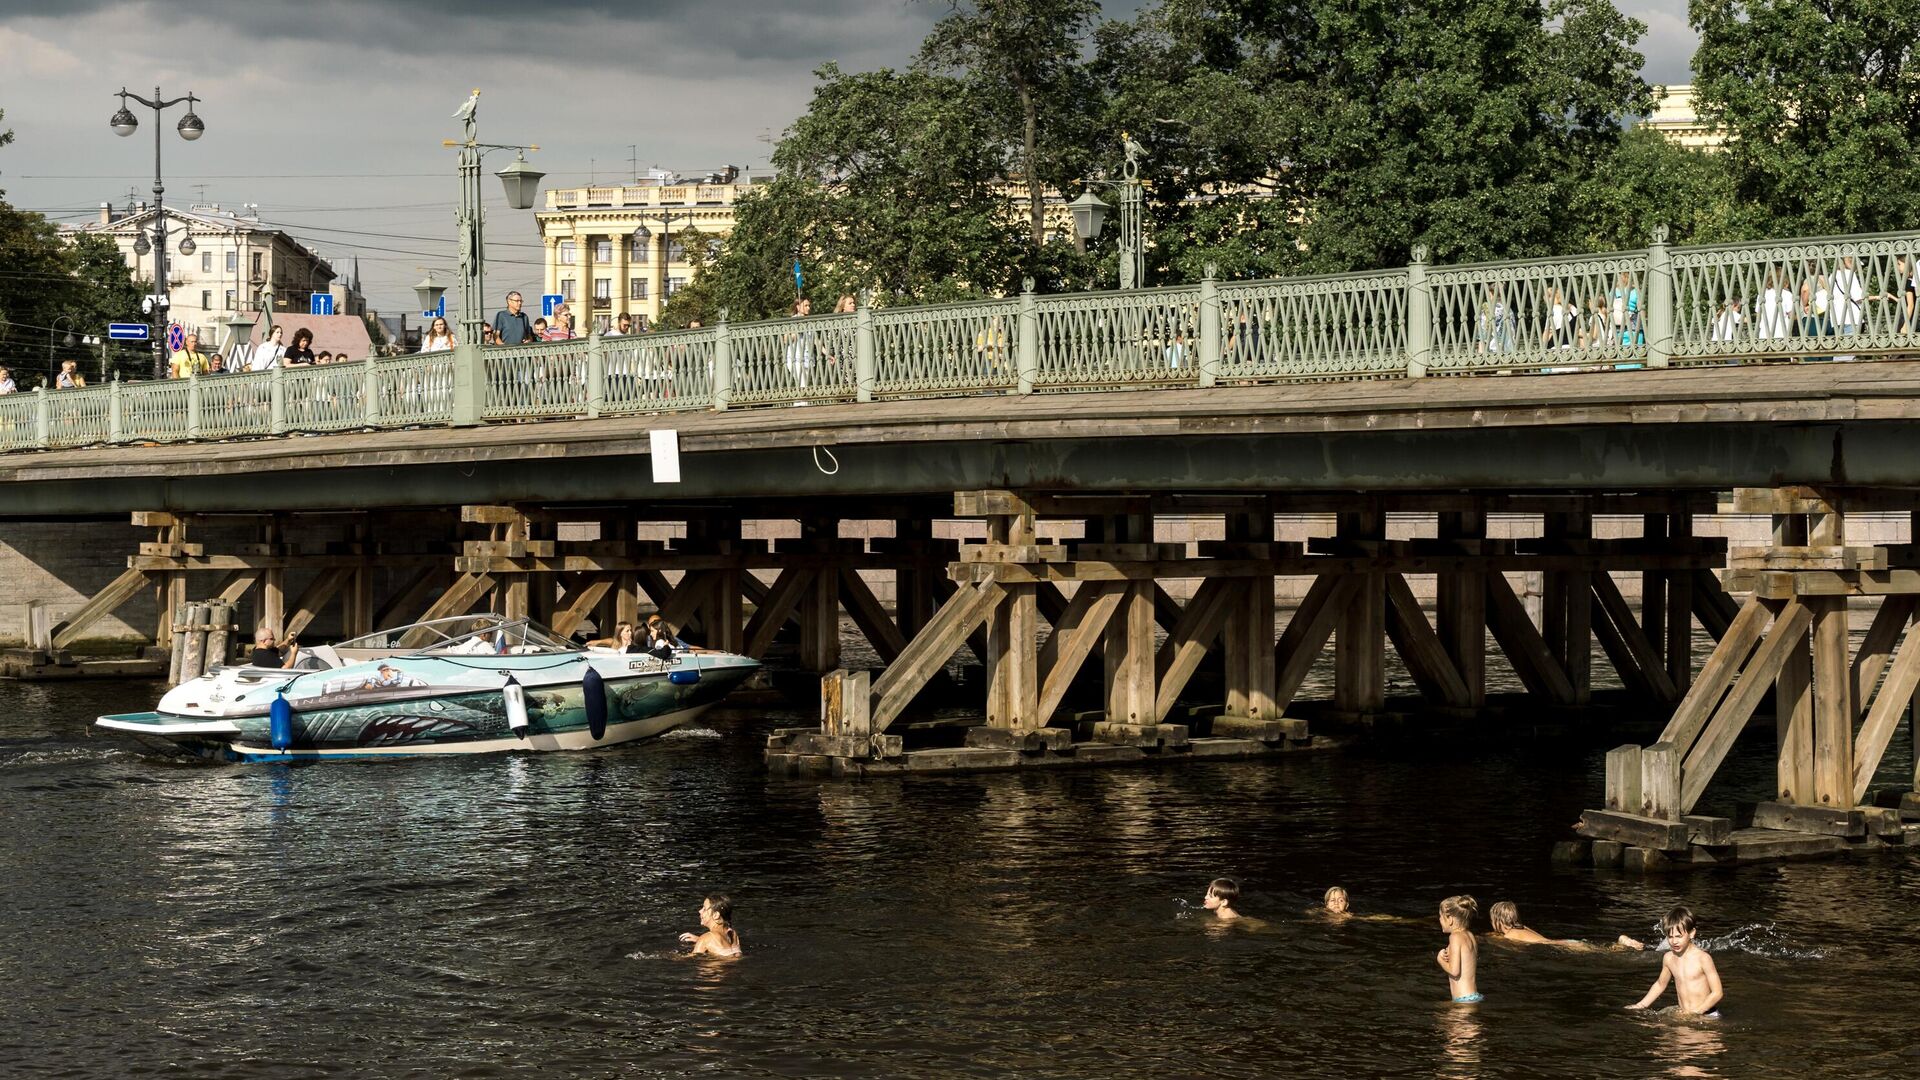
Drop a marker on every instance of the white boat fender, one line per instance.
(515, 697)
(280, 723)
(594, 689)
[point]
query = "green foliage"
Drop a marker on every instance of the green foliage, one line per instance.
(1821, 102)
(1649, 181)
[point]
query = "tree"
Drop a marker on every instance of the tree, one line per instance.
(1820, 101)
(1024, 61)
(1649, 181)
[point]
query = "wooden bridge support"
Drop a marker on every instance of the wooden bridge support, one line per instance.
(1835, 711)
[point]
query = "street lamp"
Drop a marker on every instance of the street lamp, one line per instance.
(125, 123)
(666, 218)
(522, 182)
(67, 342)
(429, 292)
(1090, 212)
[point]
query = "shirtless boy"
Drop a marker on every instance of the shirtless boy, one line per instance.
(1696, 982)
(1222, 894)
(720, 939)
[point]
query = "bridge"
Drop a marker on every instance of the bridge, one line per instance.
(1101, 500)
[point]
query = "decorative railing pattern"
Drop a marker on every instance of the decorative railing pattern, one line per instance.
(1823, 298)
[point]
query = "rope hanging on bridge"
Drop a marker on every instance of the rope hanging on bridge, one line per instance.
(824, 471)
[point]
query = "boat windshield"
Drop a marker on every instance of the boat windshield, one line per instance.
(466, 634)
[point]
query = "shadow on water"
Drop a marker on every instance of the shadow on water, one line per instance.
(517, 915)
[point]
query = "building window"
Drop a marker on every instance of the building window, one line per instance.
(566, 288)
(637, 288)
(674, 284)
(676, 252)
(206, 299)
(256, 264)
(567, 255)
(637, 245)
(206, 262)
(229, 299)
(233, 261)
(603, 251)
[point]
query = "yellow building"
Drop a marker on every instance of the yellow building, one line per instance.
(1676, 119)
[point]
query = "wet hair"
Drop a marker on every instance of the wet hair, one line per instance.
(722, 907)
(1463, 908)
(1505, 915)
(1227, 889)
(1679, 918)
(1333, 892)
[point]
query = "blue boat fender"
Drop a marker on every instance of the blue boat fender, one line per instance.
(280, 723)
(684, 676)
(515, 697)
(594, 689)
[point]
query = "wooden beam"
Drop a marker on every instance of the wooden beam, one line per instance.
(1793, 726)
(655, 585)
(1877, 647)
(1522, 643)
(694, 590)
(1199, 625)
(103, 603)
(1834, 707)
(1723, 664)
(1730, 719)
(1621, 657)
(1903, 678)
(930, 650)
(409, 596)
(1249, 648)
(1306, 634)
(1129, 657)
(315, 598)
(466, 591)
(1080, 629)
(1461, 607)
(872, 619)
(577, 601)
(1711, 604)
(1646, 654)
(1420, 646)
(820, 622)
(771, 615)
(1360, 647)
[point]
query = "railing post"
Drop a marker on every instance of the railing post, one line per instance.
(863, 349)
(722, 365)
(115, 412)
(1209, 326)
(596, 371)
(1027, 348)
(370, 395)
(1657, 308)
(42, 416)
(193, 405)
(1419, 315)
(469, 383)
(277, 400)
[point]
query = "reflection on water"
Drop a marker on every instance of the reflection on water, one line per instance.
(518, 915)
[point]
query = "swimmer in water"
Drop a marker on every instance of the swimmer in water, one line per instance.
(1696, 981)
(720, 939)
(1222, 894)
(1505, 917)
(1461, 958)
(1334, 904)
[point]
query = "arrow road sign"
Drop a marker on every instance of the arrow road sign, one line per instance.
(127, 331)
(320, 304)
(548, 302)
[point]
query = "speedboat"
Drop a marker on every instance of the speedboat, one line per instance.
(473, 684)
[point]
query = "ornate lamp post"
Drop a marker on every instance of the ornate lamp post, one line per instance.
(522, 182)
(1090, 213)
(124, 123)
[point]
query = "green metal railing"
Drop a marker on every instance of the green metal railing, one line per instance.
(1844, 297)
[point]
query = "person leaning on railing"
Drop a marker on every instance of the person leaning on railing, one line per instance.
(6, 382)
(512, 327)
(189, 360)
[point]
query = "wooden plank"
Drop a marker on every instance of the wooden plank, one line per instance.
(1711, 604)
(1660, 782)
(1360, 648)
(845, 700)
(1793, 726)
(1834, 709)
(1708, 831)
(237, 586)
(1633, 829)
(1622, 660)
(770, 616)
(870, 616)
(1248, 648)
(1679, 631)
(1129, 658)
(314, 599)
(1730, 718)
(930, 650)
(1743, 635)
(1461, 601)
(411, 595)
(1623, 779)
(652, 582)
(693, 593)
(1420, 646)
(1306, 634)
(103, 603)
(1199, 625)
(1080, 628)
(1820, 820)
(1646, 655)
(1013, 681)
(1877, 647)
(1524, 646)
(1889, 705)
(578, 601)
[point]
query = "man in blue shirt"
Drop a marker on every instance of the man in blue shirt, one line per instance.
(512, 327)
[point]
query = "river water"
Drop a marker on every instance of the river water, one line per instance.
(516, 915)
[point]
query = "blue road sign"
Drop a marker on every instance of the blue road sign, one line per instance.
(320, 304)
(798, 281)
(176, 337)
(548, 302)
(438, 311)
(127, 331)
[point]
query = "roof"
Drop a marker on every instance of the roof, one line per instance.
(331, 333)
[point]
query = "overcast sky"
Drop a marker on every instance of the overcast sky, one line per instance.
(329, 113)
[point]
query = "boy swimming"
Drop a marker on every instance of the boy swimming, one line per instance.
(1461, 958)
(720, 939)
(1335, 902)
(1222, 894)
(1696, 982)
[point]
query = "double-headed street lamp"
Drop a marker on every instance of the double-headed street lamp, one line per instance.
(522, 182)
(190, 128)
(1090, 212)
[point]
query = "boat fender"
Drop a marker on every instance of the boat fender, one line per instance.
(595, 691)
(684, 676)
(515, 696)
(280, 723)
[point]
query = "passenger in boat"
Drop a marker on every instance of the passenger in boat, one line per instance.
(621, 641)
(1695, 979)
(1222, 894)
(661, 640)
(720, 939)
(390, 678)
(270, 652)
(1461, 958)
